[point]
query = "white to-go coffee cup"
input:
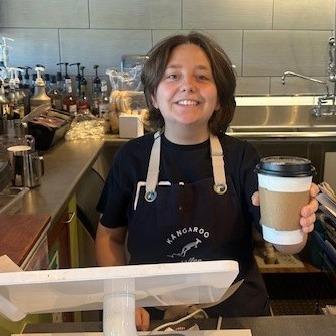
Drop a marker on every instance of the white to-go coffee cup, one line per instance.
(284, 185)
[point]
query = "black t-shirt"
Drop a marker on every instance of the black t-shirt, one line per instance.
(178, 163)
(189, 164)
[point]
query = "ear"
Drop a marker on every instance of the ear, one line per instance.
(154, 102)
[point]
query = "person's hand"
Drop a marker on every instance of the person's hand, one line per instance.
(142, 319)
(308, 216)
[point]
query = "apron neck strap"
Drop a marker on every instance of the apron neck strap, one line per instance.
(217, 158)
(153, 169)
(218, 169)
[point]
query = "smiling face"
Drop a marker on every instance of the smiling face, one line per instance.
(187, 95)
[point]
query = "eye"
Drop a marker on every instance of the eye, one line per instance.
(203, 77)
(171, 76)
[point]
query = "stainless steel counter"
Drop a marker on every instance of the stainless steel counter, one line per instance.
(281, 134)
(65, 164)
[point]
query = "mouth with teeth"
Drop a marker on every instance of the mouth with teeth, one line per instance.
(188, 102)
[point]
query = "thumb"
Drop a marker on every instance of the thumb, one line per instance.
(255, 198)
(142, 319)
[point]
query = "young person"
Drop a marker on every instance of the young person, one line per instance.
(188, 192)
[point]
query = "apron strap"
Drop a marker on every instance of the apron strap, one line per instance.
(217, 158)
(153, 169)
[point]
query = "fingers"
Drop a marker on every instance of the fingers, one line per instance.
(308, 212)
(308, 216)
(309, 209)
(314, 190)
(255, 198)
(312, 207)
(307, 223)
(142, 319)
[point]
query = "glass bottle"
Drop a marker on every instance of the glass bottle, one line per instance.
(83, 104)
(104, 107)
(26, 87)
(47, 82)
(60, 83)
(69, 100)
(14, 112)
(19, 92)
(104, 100)
(4, 103)
(54, 94)
(32, 87)
(96, 92)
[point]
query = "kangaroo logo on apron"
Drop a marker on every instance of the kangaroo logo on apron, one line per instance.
(186, 248)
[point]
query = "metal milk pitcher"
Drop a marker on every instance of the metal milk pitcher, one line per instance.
(27, 165)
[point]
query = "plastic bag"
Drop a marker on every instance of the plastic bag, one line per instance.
(126, 95)
(86, 126)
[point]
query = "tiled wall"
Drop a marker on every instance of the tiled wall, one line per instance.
(262, 37)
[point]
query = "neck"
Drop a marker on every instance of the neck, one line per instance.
(186, 135)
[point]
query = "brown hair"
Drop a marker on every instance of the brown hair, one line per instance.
(222, 71)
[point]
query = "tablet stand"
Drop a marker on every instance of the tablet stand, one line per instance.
(115, 289)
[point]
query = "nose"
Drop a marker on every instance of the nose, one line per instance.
(188, 84)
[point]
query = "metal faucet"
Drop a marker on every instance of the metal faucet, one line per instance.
(317, 110)
(294, 74)
(332, 64)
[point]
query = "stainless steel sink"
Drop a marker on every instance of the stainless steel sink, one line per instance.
(280, 120)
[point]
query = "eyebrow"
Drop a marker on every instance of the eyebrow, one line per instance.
(177, 66)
